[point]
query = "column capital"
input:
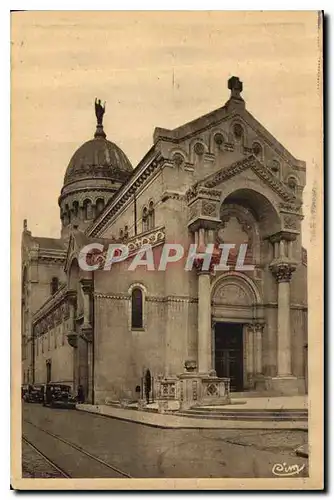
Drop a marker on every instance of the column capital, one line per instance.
(72, 339)
(282, 270)
(87, 332)
(86, 285)
(71, 296)
(283, 236)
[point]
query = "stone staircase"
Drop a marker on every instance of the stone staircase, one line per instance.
(262, 415)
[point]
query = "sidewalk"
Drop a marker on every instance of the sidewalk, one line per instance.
(174, 421)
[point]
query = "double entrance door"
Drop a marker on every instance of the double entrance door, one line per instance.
(229, 353)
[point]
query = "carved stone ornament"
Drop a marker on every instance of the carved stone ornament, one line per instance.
(178, 159)
(275, 166)
(290, 222)
(199, 148)
(257, 149)
(238, 131)
(212, 390)
(193, 211)
(283, 272)
(231, 294)
(190, 365)
(87, 333)
(292, 183)
(219, 139)
(72, 339)
(208, 208)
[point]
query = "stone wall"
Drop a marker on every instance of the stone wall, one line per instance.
(53, 346)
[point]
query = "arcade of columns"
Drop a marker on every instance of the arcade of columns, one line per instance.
(282, 267)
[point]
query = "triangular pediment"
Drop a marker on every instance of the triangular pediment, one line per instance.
(222, 121)
(261, 171)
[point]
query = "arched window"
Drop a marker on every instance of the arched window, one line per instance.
(145, 220)
(292, 183)
(257, 149)
(67, 214)
(136, 309)
(238, 131)
(75, 208)
(87, 204)
(121, 234)
(151, 221)
(99, 205)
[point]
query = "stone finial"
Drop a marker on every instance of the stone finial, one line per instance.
(25, 225)
(235, 86)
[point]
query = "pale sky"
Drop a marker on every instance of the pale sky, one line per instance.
(61, 61)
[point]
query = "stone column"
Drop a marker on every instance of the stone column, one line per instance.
(72, 337)
(204, 322)
(258, 331)
(87, 286)
(87, 335)
(250, 354)
(283, 274)
(71, 298)
(213, 338)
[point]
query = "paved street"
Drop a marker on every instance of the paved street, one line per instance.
(142, 451)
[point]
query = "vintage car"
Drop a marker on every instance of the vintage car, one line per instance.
(24, 390)
(33, 394)
(58, 396)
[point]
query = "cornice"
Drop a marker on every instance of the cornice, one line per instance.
(148, 298)
(174, 195)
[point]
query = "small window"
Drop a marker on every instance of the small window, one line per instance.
(292, 184)
(75, 208)
(87, 209)
(137, 309)
(99, 205)
(238, 131)
(257, 149)
(145, 219)
(54, 285)
(151, 221)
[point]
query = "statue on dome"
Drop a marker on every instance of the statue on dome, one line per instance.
(99, 110)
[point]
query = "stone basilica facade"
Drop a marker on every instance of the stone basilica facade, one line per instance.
(221, 178)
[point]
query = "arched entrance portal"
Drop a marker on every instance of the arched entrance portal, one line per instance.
(237, 325)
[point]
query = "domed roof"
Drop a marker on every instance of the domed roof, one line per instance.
(98, 158)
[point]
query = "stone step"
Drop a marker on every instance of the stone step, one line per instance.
(286, 417)
(208, 409)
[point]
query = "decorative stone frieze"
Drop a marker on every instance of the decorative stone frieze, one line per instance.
(174, 195)
(153, 238)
